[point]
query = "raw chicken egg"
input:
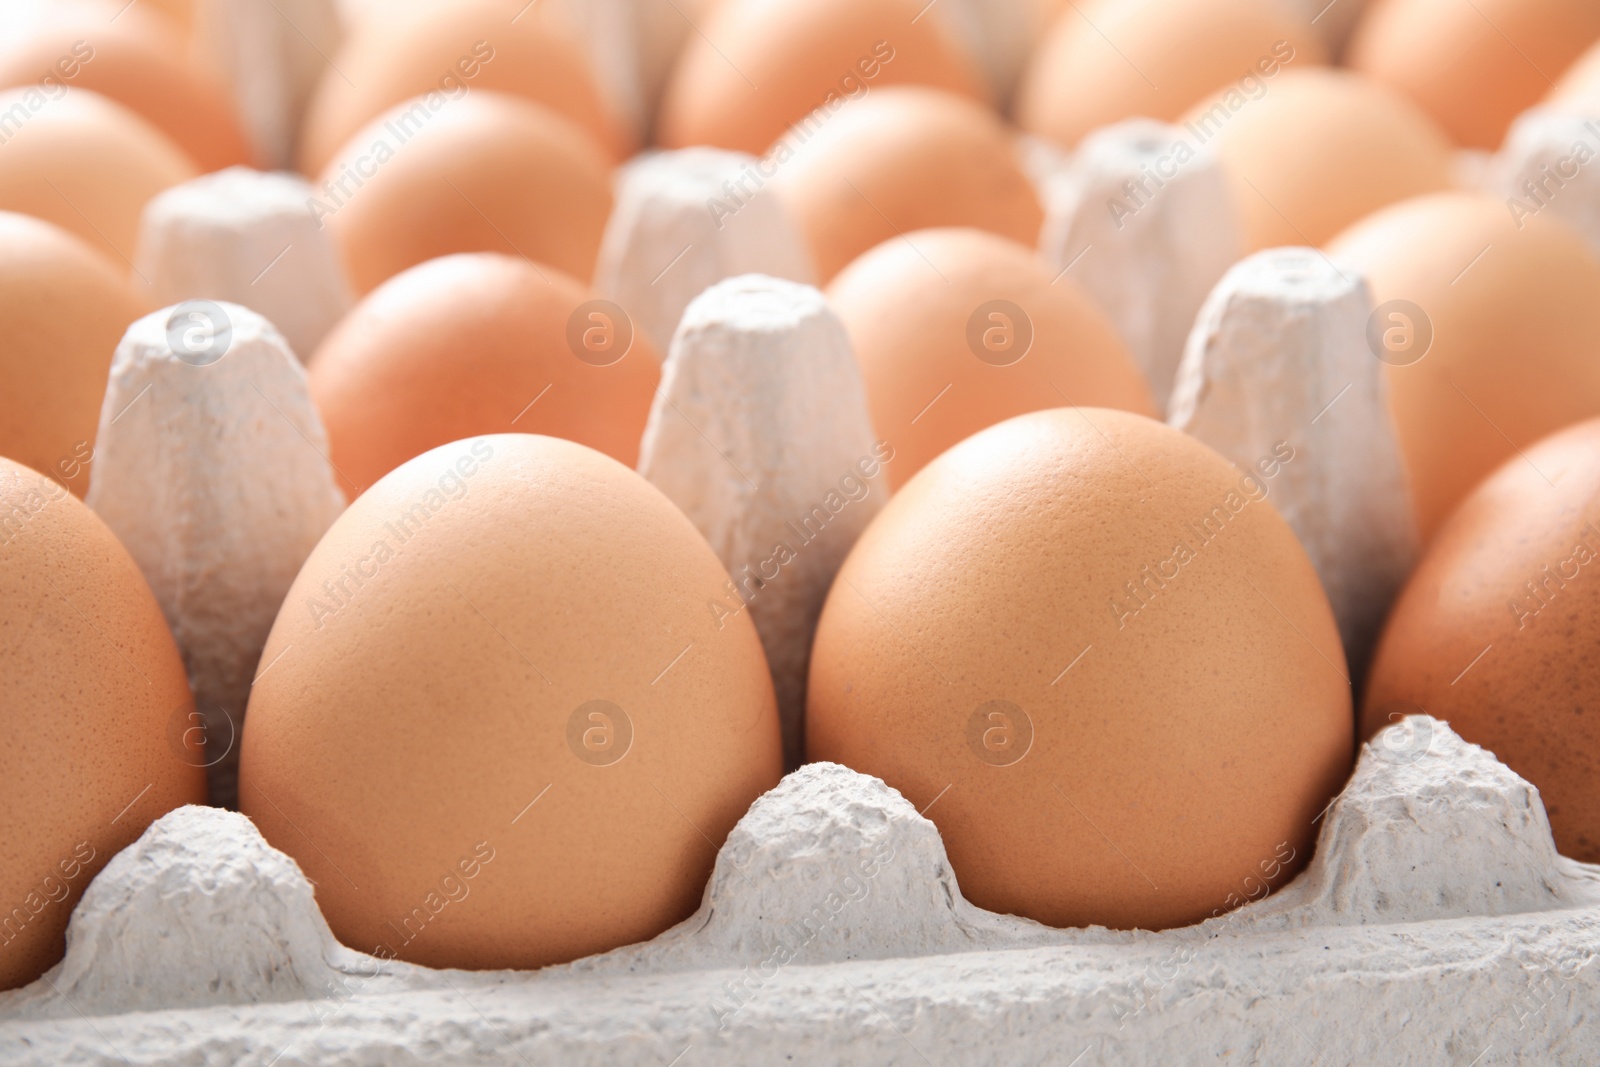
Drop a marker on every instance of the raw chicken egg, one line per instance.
(485, 173)
(478, 344)
(505, 729)
(1495, 631)
(95, 719)
(957, 330)
(63, 308)
(1120, 59)
(84, 163)
(902, 159)
(758, 67)
(446, 51)
(138, 61)
(1474, 65)
(1318, 150)
(1093, 653)
(1489, 323)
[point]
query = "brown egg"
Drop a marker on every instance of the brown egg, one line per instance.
(1474, 65)
(505, 730)
(1096, 657)
(1495, 631)
(758, 67)
(95, 716)
(900, 160)
(478, 344)
(957, 330)
(486, 173)
(1491, 328)
(1319, 150)
(1120, 59)
(451, 50)
(140, 62)
(63, 308)
(84, 163)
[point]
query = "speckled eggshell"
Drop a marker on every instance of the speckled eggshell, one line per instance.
(1495, 632)
(1118, 59)
(63, 308)
(902, 159)
(1320, 150)
(757, 67)
(1474, 65)
(140, 61)
(943, 360)
(407, 50)
(85, 163)
(1112, 719)
(485, 173)
(94, 713)
(505, 729)
(1513, 309)
(474, 344)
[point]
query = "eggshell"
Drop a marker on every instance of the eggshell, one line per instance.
(139, 62)
(957, 330)
(1579, 87)
(453, 49)
(1495, 631)
(92, 724)
(1112, 716)
(485, 173)
(84, 163)
(1121, 59)
(1506, 317)
(476, 344)
(506, 730)
(1473, 64)
(63, 308)
(758, 67)
(897, 160)
(1319, 150)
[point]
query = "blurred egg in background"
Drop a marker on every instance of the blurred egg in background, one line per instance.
(1489, 326)
(899, 160)
(63, 308)
(476, 344)
(957, 329)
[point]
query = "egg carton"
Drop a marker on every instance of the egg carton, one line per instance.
(1436, 923)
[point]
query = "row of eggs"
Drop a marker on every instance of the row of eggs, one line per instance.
(544, 669)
